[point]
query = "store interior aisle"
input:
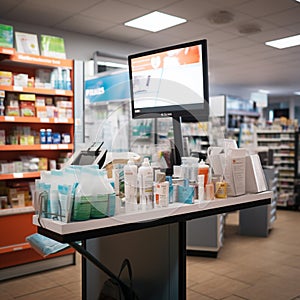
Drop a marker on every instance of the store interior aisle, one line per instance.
(246, 268)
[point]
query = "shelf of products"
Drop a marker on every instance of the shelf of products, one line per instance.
(36, 134)
(282, 142)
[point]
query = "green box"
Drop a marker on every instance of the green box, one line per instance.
(52, 46)
(6, 36)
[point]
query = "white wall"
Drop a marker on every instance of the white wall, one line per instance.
(79, 46)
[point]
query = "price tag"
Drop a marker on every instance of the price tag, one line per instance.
(53, 147)
(9, 118)
(45, 147)
(63, 146)
(18, 88)
(60, 92)
(18, 175)
(45, 120)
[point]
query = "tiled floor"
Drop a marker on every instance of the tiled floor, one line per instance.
(246, 268)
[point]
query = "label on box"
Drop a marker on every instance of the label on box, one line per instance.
(10, 119)
(27, 97)
(18, 88)
(60, 92)
(18, 175)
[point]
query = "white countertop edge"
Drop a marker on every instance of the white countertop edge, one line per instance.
(144, 216)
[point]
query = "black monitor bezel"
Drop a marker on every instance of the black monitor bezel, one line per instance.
(188, 113)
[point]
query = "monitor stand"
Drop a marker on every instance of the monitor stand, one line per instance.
(178, 141)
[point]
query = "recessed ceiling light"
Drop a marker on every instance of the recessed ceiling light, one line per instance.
(297, 0)
(155, 21)
(287, 42)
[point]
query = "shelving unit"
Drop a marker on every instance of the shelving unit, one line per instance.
(283, 145)
(15, 252)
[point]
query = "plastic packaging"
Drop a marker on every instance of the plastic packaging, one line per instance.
(145, 178)
(185, 192)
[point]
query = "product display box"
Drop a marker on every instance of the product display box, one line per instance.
(6, 36)
(53, 46)
(27, 43)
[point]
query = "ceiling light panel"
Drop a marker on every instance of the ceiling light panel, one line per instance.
(287, 42)
(155, 21)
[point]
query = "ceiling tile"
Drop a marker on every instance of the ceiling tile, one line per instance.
(190, 9)
(36, 14)
(189, 30)
(258, 8)
(269, 35)
(228, 3)
(75, 6)
(83, 24)
(121, 33)
(153, 4)
(236, 43)
(260, 23)
(154, 40)
(294, 27)
(217, 36)
(288, 17)
(115, 11)
(7, 5)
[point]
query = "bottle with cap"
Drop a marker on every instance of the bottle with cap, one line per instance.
(201, 187)
(145, 178)
(203, 169)
(130, 179)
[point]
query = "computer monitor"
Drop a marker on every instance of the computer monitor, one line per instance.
(170, 82)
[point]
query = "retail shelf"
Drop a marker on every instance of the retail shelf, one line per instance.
(287, 179)
(36, 147)
(14, 119)
(36, 60)
(19, 175)
(7, 51)
(40, 91)
(243, 113)
(269, 140)
(16, 211)
(283, 155)
(16, 247)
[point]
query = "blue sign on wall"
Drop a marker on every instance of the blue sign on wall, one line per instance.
(107, 88)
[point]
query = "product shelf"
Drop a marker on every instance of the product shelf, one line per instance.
(35, 60)
(16, 119)
(36, 147)
(16, 247)
(19, 175)
(6, 51)
(33, 90)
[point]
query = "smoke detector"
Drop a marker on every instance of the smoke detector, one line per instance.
(249, 28)
(221, 17)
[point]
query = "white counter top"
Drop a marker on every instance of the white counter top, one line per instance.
(175, 209)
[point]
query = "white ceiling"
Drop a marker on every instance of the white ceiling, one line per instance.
(236, 61)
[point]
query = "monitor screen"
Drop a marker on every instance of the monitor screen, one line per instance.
(170, 82)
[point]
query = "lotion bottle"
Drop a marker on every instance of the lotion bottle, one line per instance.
(201, 187)
(145, 178)
(131, 182)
